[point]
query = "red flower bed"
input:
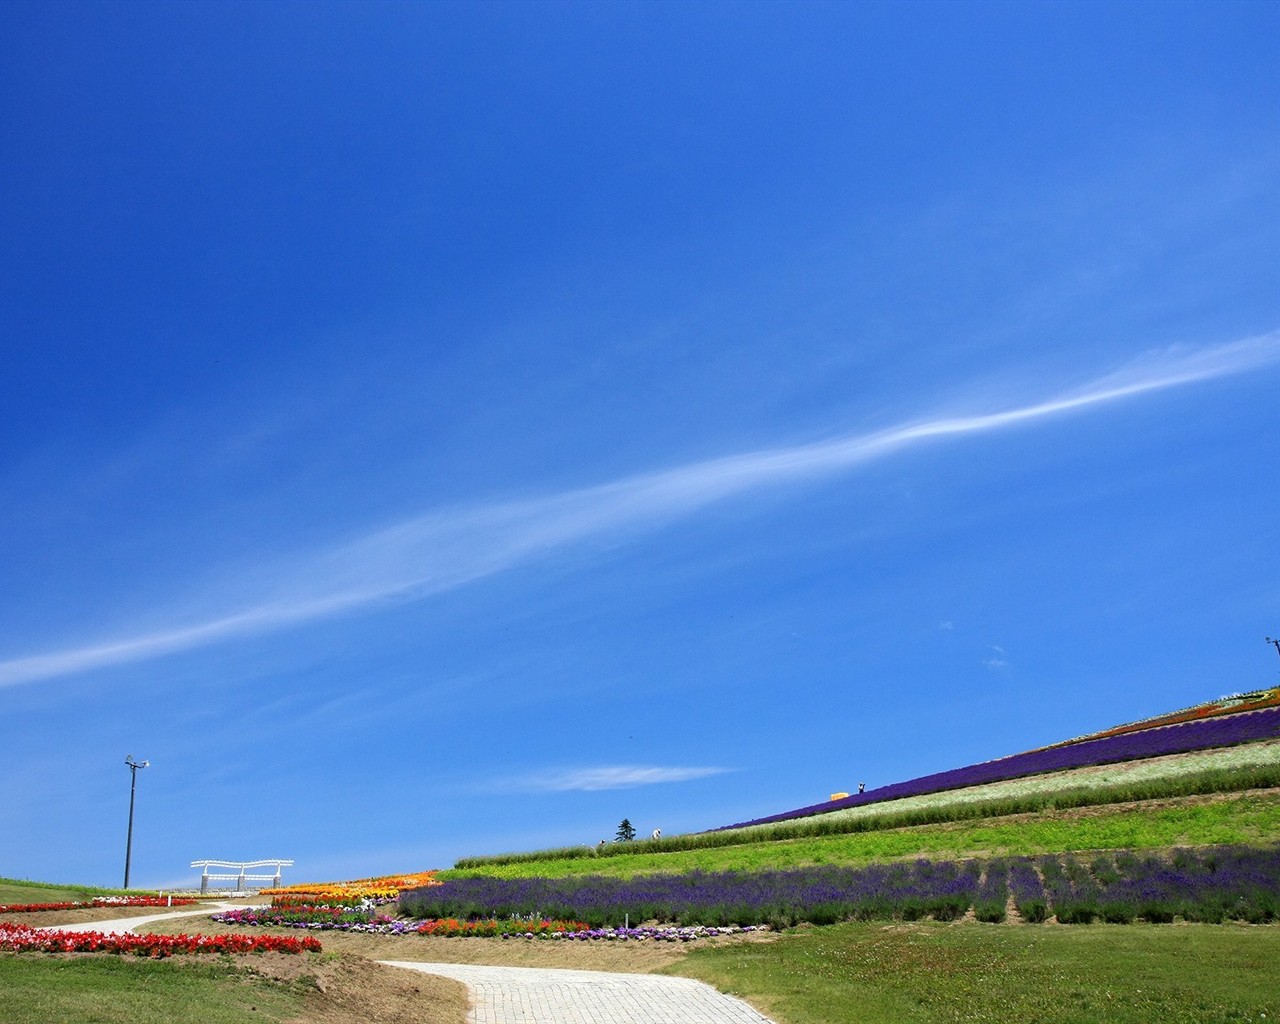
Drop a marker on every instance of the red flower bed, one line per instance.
(16, 938)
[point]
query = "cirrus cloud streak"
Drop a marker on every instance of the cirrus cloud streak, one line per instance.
(589, 780)
(442, 550)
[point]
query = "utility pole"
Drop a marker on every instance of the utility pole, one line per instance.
(133, 786)
(1275, 644)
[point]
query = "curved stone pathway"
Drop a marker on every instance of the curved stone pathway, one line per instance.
(124, 925)
(537, 995)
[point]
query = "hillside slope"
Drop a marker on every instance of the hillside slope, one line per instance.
(1223, 724)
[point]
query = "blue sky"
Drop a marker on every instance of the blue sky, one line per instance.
(431, 430)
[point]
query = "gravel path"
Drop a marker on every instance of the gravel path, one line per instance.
(536, 995)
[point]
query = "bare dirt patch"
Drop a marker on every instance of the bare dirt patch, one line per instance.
(335, 988)
(343, 989)
(630, 957)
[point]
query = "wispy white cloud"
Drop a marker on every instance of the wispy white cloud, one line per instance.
(606, 777)
(443, 550)
(997, 659)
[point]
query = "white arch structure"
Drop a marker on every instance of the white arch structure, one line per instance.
(241, 873)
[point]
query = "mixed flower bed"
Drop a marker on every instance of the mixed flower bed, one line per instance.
(656, 934)
(1222, 731)
(353, 907)
(345, 919)
(1205, 884)
(16, 938)
(320, 918)
(349, 920)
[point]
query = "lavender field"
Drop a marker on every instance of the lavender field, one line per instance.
(1211, 884)
(1225, 731)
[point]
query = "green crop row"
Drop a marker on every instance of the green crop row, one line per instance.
(1210, 781)
(1233, 818)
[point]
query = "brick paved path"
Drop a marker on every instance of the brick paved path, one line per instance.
(535, 995)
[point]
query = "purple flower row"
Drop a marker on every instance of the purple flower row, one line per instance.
(821, 895)
(1216, 884)
(1207, 884)
(1224, 731)
(383, 925)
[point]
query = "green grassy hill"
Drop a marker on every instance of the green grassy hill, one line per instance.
(21, 890)
(1176, 799)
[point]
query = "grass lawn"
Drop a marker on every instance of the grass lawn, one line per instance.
(107, 989)
(101, 988)
(18, 890)
(1082, 974)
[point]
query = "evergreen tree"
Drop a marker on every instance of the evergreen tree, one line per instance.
(626, 831)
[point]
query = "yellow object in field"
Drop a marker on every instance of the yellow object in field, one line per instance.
(838, 796)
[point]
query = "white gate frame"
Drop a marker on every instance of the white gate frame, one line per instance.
(241, 874)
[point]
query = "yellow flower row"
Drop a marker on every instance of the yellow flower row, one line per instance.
(381, 887)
